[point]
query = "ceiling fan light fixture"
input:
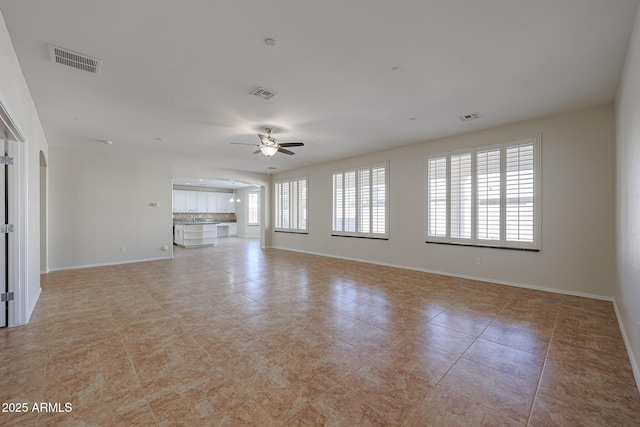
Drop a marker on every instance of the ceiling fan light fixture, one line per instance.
(269, 150)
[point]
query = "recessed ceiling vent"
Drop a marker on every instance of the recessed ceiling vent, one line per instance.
(74, 59)
(469, 117)
(263, 93)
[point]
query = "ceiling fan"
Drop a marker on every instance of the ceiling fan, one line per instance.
(269, 146)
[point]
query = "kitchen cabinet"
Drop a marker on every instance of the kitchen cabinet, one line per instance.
(179, 201)
(226, 229)
(202, 201)
(195, 235)
(212, 202)
(191, 203)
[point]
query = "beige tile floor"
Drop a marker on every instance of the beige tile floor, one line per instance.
(235, 335)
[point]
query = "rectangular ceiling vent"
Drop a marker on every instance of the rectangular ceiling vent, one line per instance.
(74, 59)
(263, 93)
(469, 117)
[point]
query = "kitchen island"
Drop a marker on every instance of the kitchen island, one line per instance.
(195, 234)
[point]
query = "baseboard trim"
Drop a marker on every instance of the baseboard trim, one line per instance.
(627, 344)
(77, 267)
(461, 276)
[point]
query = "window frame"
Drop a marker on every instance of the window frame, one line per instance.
(301, 210)
(338, 202)
(474, 240)
(255, 193)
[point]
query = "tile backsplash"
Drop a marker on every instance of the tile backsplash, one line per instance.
(204, 216)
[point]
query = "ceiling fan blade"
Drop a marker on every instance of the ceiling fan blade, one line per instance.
(256, 152)
(264, 139)
(283, 151)
(291, 144)
(244, 143)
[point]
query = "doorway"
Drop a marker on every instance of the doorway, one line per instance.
(12, 235)
(4, 241)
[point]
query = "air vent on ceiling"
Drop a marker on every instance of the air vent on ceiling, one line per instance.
(263, 93)
(469, 117)
(74, 59)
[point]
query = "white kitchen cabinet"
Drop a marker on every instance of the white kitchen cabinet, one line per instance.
(226, 229)
(179, 201)
(212, 203)
(191, 203)
(201, 201)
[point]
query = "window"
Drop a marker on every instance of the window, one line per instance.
(485, 196)
(360, 202)
(253, 208)
(291, 205)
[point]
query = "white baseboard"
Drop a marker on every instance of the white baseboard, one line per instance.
(627, 344)
(461, 276)
(109, 263)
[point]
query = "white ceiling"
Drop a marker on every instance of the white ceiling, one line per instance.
(177, 75)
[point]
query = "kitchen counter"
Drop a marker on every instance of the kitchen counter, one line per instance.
(196, 223)
(190, 234)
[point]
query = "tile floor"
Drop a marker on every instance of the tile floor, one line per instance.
(235, 335)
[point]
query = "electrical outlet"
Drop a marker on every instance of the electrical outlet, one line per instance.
(478, 261)
(123, 249)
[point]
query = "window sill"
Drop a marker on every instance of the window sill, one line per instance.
(483, 246)
(360, 237)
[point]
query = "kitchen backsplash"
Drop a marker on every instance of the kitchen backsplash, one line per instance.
(203, 216)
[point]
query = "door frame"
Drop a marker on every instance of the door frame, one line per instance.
(16, 188)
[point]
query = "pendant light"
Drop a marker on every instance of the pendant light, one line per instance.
(233, 198)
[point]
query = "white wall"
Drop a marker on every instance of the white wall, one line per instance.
(15, 96)
(578, 178)
(100, 201)
(627, 291)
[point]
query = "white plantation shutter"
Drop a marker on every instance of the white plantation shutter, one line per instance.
(488, 196)
(350, 201)
(302, 204)
(291, 205)
(519, 216)
(437, 197)
(488, 203)
(286, 217)
(278, 205)
(460, 196)
(364, 201)
(359, 202)
(379, 200)
(338, 202)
